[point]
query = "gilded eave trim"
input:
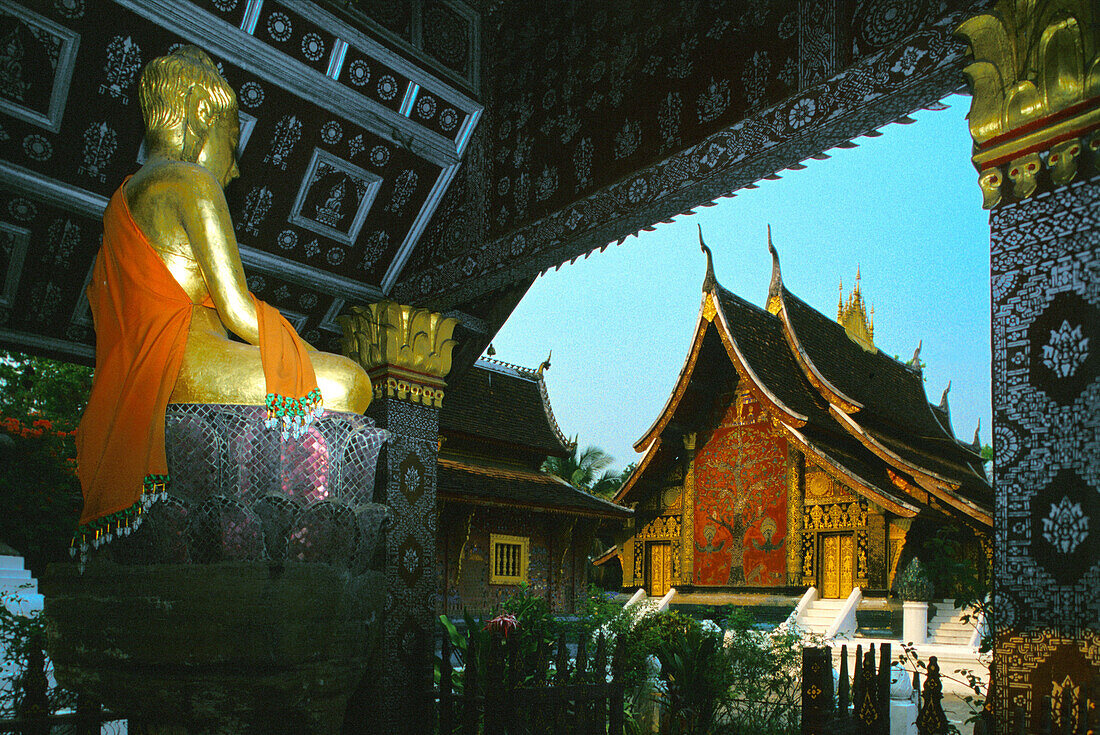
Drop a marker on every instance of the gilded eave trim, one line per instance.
(757, 386)
(681, 383)
(940, 487)
(845, 477)
(650, 453)
(828, 391)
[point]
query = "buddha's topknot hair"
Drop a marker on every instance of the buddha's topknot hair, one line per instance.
(167, 81)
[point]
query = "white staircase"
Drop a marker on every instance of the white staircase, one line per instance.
(819, 615)
(946, 627)
(20, 587)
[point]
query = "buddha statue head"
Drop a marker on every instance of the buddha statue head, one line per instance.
(190, 112)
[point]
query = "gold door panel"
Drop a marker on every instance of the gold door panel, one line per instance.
(837, 565)
(658, 567)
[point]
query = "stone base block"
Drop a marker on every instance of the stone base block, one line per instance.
(231, 647)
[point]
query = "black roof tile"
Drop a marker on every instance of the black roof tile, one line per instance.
(459, 480)
(502, 403)
(759, 336)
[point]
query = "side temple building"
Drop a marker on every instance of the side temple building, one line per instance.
(793, 452)
(502, 520)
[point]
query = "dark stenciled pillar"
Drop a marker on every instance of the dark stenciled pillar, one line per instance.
(407, 353)
(1035, 120)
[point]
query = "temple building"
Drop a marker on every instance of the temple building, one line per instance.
(502, 521)
(793, 452)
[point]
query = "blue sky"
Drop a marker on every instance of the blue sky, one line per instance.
(904, 208)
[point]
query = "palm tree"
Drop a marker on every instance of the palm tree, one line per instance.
(586, 470)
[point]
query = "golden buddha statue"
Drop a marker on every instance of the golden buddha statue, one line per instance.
(166, 288)
(177, 201)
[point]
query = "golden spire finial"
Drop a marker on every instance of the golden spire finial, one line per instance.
(853, 315)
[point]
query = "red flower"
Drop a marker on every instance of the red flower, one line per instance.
(505, 622)
(43, 424)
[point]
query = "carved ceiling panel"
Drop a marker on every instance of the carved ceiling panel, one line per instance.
(604, 121)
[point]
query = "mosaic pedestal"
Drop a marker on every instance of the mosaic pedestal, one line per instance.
(250, 599)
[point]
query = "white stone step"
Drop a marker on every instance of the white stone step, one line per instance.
(11, 562)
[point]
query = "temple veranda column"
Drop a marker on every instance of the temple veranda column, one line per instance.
(407, 353)
(1035, 120)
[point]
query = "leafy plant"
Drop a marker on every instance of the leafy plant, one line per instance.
(467, 645)
(40, 496)
(698, 678)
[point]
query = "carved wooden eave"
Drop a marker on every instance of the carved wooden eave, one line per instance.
(830, 392)
(937, 485)
(847, 477)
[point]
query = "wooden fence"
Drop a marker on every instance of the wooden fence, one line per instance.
(862, 708)
(511, 693)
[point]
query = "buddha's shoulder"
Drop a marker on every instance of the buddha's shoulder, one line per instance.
(172, 178)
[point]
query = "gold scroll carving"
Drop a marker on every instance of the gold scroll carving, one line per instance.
(1036, 84)
(661, 527)
(687, 569)
(405, 350)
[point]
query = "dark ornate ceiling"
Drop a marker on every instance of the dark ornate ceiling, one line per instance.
(346, 147)
(599, 119)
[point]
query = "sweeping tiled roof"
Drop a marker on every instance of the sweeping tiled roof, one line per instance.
(474, 483)
(503, 403)
(852, 409)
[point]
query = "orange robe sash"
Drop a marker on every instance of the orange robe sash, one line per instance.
(142, 318)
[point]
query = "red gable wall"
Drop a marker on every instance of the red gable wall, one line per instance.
(741, 500)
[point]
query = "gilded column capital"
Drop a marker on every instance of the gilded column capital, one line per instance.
(1036, 85)
(405, 350)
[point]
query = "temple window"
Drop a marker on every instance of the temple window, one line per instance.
(509, 559)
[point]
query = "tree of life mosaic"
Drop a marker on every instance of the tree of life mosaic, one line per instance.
(741, 500)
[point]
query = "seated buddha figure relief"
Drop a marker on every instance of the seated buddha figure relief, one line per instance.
(167, 288)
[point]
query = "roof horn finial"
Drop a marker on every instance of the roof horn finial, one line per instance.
(545, 363)
(709, 281)
(977, 443)
(914, 363)
(775, 288)
(943, 399)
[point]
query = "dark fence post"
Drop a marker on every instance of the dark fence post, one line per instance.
(35, 702)
(599, 686)
(558, 702)
(580, 701)
(615, 715)
(866, 709)
(857, 678)
(817, 691)
(843, 690)
(930, 719)
(494, 686)
(446, 701)
(884, 688)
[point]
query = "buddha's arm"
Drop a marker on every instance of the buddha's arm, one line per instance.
(209, 228)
